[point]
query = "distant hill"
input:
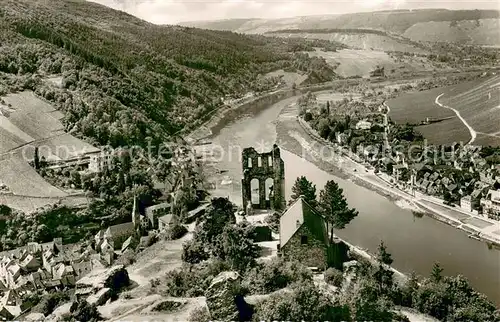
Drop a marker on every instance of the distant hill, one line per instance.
(414, 24)
(126, 81)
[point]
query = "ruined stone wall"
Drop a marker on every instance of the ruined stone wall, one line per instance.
(263, 166)
(313, 254)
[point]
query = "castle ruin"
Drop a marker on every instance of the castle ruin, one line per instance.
(262, 167)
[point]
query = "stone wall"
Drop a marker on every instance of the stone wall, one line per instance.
(312, 254)
(263, 166)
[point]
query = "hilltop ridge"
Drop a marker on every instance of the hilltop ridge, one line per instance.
(411, 23)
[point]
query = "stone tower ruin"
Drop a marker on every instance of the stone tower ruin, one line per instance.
(264, 166)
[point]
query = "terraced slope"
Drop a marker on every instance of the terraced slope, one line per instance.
(479, 103)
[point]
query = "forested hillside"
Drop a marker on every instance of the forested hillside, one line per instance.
(126, 81)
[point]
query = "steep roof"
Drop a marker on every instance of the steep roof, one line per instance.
(120, 229)
(166, 219)
(298, 214)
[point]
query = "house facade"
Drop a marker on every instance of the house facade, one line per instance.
(304, 238)
(491, 204)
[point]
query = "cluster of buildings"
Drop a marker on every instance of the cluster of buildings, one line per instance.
(459, 175)
(41, 267)
(53, 266)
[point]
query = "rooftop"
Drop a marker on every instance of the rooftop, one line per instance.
(298, 214)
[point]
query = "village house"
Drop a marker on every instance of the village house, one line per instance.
(156, 211)
(303, 237)
(466, 203)
(491, 204)
(363, 125)
(100, 161)
(164, 222)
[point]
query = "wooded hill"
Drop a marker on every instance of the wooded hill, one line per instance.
(126, 81)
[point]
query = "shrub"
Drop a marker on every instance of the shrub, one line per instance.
(192, 281)
(83, 311)
(334, 277)
(194, 252)
(274, 275)
(304, 303)
(308, 117)
(273, 220)
(50, 301)
(200, 314)
(176, 231)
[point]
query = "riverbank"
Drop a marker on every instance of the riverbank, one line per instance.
(299, 137)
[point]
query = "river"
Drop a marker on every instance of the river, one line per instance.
(415, 243)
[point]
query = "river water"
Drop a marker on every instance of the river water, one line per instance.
(415, 243)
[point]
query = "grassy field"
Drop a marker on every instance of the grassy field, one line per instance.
(33, 116)
(355, 62)
(290, 78)
(23, 180)
(414, 107)
(477, 101)
(62, 147)
(27, 122)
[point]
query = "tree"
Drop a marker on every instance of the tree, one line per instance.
(218, 215)
(304, 303)
(236, 246)
(194, 252)
(36, 159)
(436, 273)
(82, 311)
(384, 275)
(384, 257)
(333, 206)
(304, 187)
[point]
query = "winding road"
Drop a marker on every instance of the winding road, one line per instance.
(472, 132)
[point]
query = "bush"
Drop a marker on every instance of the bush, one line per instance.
(334, 277)
(50, 302)
(176, 231)
(274, 275)
(84, 312)
(200, 314)
(308, 117)
(304, 303)
(190, 281)
(193, 252)
(273, 220)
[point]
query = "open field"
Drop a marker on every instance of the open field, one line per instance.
(290, 78)
(354, 62)
(61, 147)
(478, 102)
(33, 116)
(414, 107)
(364, 41)
(23, 180)
(27, 122)
(472, 32)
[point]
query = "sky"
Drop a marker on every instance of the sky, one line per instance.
(175, 11)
